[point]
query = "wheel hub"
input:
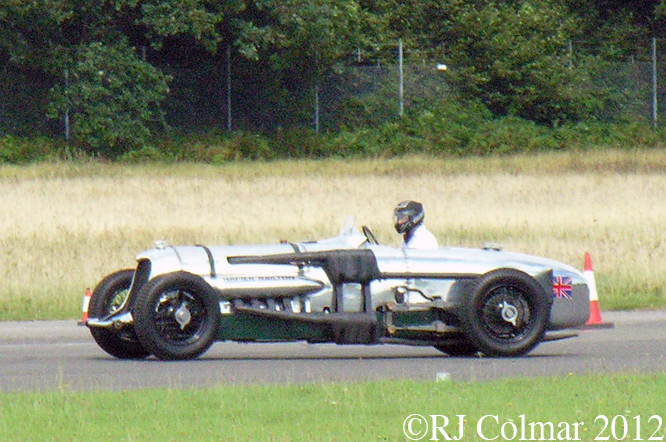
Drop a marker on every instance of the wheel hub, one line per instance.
(506, 313)
(509, 313)
(183, 316)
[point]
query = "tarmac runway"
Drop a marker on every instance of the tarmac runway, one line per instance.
(49, 355)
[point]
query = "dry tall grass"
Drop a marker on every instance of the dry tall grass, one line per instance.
(64, 226)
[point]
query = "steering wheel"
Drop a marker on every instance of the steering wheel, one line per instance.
(372, 239)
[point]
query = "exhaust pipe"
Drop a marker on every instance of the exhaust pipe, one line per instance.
(117, 322)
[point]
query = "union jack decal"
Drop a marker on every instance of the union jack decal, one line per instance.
(562, 287)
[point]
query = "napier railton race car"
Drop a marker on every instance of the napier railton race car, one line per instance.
(345, 290)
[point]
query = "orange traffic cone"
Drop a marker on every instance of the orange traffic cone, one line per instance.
(84, 307)
(595, 320)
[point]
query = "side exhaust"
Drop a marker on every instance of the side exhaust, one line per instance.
(117, 322)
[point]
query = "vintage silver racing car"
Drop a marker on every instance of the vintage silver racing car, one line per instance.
(347, 290)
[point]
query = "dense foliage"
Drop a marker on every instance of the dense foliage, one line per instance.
(113, 96)
(510, 58)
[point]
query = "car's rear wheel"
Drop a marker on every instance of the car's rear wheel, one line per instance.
(109, 295)
(176, 316)
(506, 314)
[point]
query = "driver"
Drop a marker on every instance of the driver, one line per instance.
(408, 219)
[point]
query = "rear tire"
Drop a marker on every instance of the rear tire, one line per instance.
(506, 314)
(107, 298)
(176, 316)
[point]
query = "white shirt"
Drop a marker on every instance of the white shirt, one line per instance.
(422, 239)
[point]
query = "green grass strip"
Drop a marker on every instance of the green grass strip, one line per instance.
(629, 407)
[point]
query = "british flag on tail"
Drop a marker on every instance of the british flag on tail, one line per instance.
(562, 287)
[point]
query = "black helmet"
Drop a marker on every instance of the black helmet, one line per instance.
(407, 215)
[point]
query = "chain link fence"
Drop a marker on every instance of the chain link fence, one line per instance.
(199, 97)
(634, 86)
(228, 94)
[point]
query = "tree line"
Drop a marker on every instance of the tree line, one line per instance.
(511, 56)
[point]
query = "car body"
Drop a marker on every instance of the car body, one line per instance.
(347, 289)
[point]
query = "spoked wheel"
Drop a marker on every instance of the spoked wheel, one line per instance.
(107, 298)
(176, 316)
(506, 314)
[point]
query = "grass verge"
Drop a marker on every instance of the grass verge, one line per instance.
(64, 226)
(613, 406)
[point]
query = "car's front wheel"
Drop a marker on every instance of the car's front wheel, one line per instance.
(107, 298)
(506, 313)
(176, 316)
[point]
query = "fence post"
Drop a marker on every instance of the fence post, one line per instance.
(66, 110)
(570, 54)
(229, 88)
(401, 91)
(654, 82)
(316, 97)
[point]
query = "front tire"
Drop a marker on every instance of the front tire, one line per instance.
(176, 316)
(506, 314)
(107, 298)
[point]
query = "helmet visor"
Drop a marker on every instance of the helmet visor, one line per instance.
(400, 221)
(400, 218)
